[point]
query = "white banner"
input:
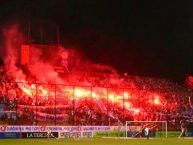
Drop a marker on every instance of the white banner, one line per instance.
(14, 128)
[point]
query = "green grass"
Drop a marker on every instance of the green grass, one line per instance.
(168, 141)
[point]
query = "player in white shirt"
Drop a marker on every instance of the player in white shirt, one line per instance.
(49, 133)
(147, 132)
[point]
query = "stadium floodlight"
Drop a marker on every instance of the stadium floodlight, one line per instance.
(135, 129)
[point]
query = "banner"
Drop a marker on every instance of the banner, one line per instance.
(75, 135)
(25, 53)
(16, 128)
(70, 135)
(9, 135)
(58, 131)
(87, 135)
(39, 135)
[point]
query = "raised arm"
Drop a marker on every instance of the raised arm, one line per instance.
(190, 103)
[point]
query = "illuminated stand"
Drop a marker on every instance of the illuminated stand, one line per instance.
(135, 129)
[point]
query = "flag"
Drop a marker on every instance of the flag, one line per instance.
(189, 81)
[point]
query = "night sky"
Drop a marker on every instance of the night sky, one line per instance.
(149, 38)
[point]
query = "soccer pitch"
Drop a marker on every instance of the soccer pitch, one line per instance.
(168, 141)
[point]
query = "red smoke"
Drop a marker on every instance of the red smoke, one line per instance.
(43, 72)
(13, 40)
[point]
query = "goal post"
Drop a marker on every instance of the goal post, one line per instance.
(136, 129)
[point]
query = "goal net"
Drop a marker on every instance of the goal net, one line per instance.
(137, 129)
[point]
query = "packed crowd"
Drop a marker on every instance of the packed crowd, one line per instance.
(147, 99)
